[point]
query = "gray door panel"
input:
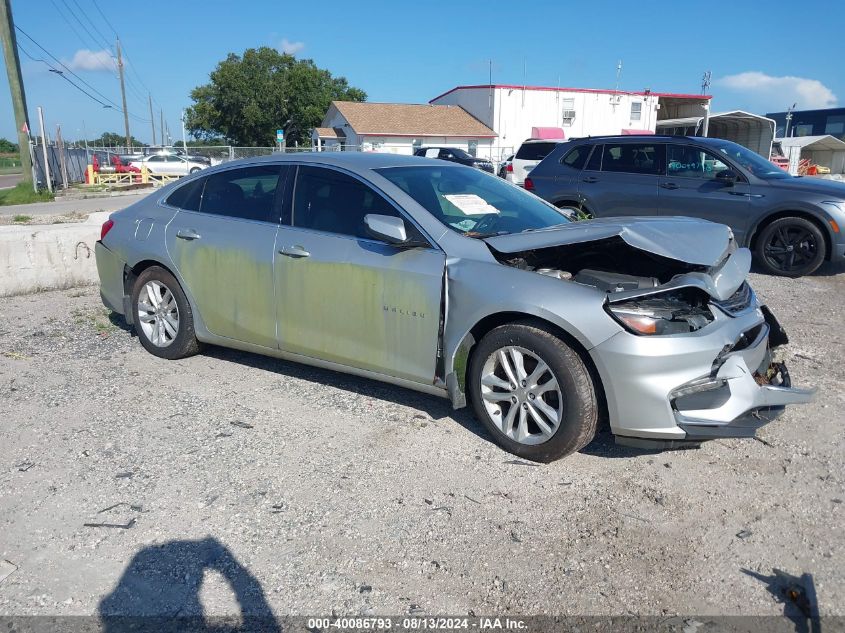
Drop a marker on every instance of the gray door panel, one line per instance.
(690, 188)
(227, 265)
(709, 200)
(617, 194)
(359, 302)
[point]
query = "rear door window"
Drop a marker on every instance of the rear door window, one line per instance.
(432, 152)
(187, 196)
(248, 193)
(535, 151)
(633, 158)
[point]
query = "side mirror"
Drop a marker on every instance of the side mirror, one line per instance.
(727, 177)
(387, 228)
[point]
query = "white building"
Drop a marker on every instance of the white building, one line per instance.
(514, 111)
(399, 128)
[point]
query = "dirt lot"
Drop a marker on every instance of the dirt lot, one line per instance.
(133, 484)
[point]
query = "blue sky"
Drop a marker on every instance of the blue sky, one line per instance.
(412, 51)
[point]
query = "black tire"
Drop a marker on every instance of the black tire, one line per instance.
(790, 247)
(580, 406)
(184, 343)
(194, 170)
(578, 211)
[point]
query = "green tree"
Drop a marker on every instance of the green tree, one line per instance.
(113, 139)
(249, 97)
(7, 146)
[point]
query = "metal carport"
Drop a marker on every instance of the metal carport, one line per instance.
(750, 130)
(824, 150)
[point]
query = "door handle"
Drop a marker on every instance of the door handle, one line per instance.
(669, 185)
(187, 234)
(590, 179)
(294, 251)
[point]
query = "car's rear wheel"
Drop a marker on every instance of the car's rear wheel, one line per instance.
(533, 392)
(791, 247)
(577, 211)
(162, 315)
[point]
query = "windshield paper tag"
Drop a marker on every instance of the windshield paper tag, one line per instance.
(471, 204)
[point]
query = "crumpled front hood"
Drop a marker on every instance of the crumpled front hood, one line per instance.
(683, 239)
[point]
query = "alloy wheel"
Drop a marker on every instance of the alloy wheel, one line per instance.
(158, 313)
(790, 247)
(522, 395)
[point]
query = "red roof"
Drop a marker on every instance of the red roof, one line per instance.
(673, 95)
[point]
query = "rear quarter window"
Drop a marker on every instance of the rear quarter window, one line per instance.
(576, 158)
(535, 151)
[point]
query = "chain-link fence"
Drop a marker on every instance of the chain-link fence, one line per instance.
(76, 157)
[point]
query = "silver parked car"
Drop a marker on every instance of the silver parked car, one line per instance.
(451, 281)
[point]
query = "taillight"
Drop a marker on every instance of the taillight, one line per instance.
(509, 167)
(106, 227)
(528, 184)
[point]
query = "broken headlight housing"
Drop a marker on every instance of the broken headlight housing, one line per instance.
(679, 312)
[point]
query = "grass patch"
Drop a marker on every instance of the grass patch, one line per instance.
(22, 193)
(22, 218)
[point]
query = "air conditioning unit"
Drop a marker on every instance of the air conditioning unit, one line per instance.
(569, 114)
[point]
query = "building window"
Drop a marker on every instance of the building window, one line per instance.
(803, 129)
(568, 112)
(835, 125)
(417, 143)
(636, 110)
(472, 148)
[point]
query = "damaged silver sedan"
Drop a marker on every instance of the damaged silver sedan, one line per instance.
(450, 281)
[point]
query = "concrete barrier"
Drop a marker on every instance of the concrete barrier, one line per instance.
(48, 256)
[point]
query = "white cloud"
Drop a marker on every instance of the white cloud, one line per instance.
(85, 59)
(780, 92)
(291, 48)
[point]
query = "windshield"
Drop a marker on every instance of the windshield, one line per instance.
(461, 153)
(752, 161)
(473, 203)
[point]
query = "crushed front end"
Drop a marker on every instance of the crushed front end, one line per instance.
(717, 380)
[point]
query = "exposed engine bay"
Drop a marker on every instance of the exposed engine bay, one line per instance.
(596, 264)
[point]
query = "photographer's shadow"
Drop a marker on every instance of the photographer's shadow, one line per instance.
(159, 591)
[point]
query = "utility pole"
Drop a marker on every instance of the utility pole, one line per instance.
(13, 69)
(788, 120)
(161, 128)
(60, 148)
(152, 119)
(123, 96)
(184, 140)
(47, 178)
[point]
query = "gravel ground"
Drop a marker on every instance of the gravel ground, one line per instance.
(314, 493)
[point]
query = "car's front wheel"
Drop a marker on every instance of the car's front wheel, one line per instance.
(791, 247)
(162, 315)
(194, 170)
(533, 392)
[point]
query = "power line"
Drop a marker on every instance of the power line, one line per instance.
(126, 56)
(91, 22)
(61, 73)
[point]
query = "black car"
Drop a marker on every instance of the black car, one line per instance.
(455, 155)
(791, 224)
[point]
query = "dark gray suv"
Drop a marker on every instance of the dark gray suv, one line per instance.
(792, 224)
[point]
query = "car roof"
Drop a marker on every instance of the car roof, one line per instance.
(633, 138)
(354, 161)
